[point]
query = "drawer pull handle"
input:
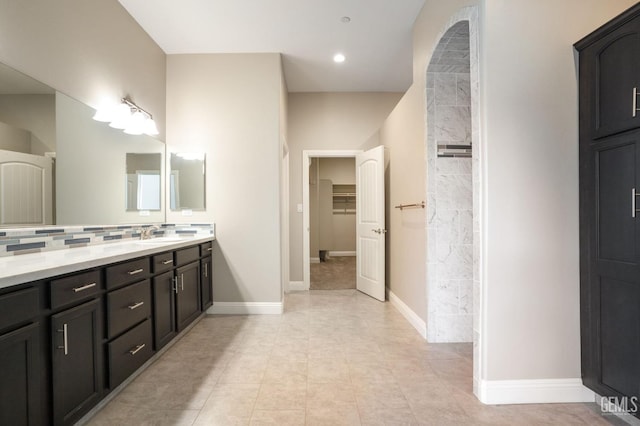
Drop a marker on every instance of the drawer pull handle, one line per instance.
(135, 271)
(137, 349)
(167, 262)
(84, 287)
(135, 305)
(210, 249)
(65, 345)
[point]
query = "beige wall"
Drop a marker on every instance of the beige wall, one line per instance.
(529, 98)
(87, 50)
(404, 134)
(531, 134)
(35, 113)
(228, 106)
(342, 227)
(328, 121)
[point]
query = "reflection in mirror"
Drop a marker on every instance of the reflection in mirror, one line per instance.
(187, 181)
(91, 166)
(143, 181)
(27, 150)
(58, 165)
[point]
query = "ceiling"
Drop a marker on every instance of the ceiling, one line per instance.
(377, 42)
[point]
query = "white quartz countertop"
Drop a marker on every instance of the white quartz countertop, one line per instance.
(25, 268)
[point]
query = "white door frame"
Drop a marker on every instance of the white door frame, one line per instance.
(306, 156)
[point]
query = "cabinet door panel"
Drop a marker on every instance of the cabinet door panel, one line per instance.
(164, 317)
(19, 383)
(615, 182)
(77, 361)
(206, 280)
(612, 65)
(188, 295)
(620, 335)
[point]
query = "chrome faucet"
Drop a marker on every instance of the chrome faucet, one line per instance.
(146, 233)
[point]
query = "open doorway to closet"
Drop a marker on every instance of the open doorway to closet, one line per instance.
(332, 223)
(369, 212)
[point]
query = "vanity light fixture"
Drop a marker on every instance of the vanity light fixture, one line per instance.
(339, 58)
(128, 117)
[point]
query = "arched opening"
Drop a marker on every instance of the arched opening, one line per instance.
(454, 248)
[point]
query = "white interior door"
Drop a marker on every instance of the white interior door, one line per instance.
(370, 231)
(25, 189)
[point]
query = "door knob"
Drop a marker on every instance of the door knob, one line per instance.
(379, 231)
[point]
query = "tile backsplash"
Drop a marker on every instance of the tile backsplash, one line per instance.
(16, 241)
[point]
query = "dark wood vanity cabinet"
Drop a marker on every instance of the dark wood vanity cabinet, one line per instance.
(609, 85)
(68, 341)
(22, 357)
(206, 282)
(164, 311)
(20, 390)
(187, 294)
(77, 368)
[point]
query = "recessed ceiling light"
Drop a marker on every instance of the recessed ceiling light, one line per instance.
(339, 58)
(345, 19)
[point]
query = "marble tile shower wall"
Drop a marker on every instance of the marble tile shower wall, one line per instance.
(450, 192)
(17, 241)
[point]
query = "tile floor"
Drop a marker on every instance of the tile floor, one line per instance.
(333, 358)
(336, 273)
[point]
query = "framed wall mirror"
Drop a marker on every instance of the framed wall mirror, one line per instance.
(187, 181)
(143, 182)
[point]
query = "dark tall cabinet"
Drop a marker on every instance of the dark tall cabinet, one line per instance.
(609, 86)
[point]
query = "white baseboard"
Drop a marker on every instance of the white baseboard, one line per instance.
(314, 260)
(297, 286)
(246, 308)
(341, 253)
(410, 316)
(544, 391)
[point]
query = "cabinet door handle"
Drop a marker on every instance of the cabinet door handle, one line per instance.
(137, 349)
(135, 271)
(210, 249)
(135, 305)
(167, 262)
(182, 281)
(65, 345)
(84, 287)
(175, 284)
(206, 270)
(634, 210)
(635, 101)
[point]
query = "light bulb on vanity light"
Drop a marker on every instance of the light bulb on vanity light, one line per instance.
(104, 114)
(122, 116)
(339, 58)
(150, 127)
(136, 125)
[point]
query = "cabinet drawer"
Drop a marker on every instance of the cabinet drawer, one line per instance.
(128, 352)
(162, 262)
(128, 306)
(206, 249)
(127, 272)
(75, 288)
(187, 255)
(19, 306)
